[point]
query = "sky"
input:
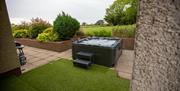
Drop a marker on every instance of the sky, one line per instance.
(88, 11)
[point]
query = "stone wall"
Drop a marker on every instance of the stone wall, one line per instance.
(157, 46)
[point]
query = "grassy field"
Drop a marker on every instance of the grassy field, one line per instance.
(61, 75)
(106, 31)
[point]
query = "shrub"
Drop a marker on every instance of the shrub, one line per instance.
(66, 26)
(37, 26)
(46, 37)
(126, 31)
(43, 37)
(48, 30)
(20, 34)
(22, 25)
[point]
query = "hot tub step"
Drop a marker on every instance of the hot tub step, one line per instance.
(82, 63)
(85, 56)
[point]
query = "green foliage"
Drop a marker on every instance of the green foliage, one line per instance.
(108, 31)
(47, 35)
(126, 31)
(20, 33)
(84, 24)
(79, 33)
(37, 26)
(66, 26)
(48, 30)
(99, 22)
(22, 25)
(122, 12)
(97, 31)
(43, 37)
(100, 33)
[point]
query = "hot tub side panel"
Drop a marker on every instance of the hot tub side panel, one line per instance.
(102, 55)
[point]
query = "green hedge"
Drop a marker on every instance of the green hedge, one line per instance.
(98, 31)
(126, 31)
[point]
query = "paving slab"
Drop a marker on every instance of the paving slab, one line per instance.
(37, 57)
(125, 64)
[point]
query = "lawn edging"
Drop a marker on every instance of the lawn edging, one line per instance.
(54, 46)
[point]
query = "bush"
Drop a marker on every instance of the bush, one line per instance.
(22, 25)
(20, 34)
(43, 37)
(126, 31)
(37, 26)
(47, 35)
(65, 26)
(48, 30)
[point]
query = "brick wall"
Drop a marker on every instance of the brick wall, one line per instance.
(54, 46)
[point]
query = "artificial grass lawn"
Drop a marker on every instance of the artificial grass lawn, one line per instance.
(61, 75)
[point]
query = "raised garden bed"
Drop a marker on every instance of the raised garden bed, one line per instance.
(54, 46)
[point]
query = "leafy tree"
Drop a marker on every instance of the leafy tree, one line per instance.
(22, 25)
(84, 24)
(122, 12)
(65, 26)
(99, 22)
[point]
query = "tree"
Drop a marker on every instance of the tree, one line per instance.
(37, 26)
(22, 25)
(99, 22)
(121, 12)
(84, 24)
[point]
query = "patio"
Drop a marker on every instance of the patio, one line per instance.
(37, 57)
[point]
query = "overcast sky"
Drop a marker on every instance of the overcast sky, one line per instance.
(88, 11)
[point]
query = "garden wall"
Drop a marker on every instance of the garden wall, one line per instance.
(54, 46)
(128, 43)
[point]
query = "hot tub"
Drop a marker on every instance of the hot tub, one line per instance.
(106, 51)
